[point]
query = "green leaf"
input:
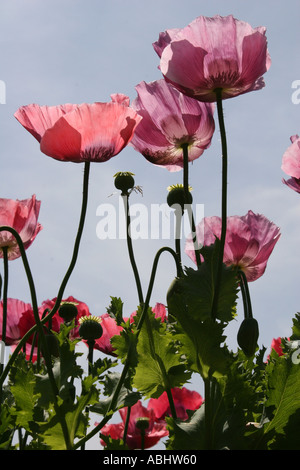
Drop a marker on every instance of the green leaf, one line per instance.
(126, 396)
(115, 309)
(199, 287)
(160, 362)
(23, 388)
(283, 399)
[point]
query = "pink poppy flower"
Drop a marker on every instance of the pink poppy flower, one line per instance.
(23, 217)
(291, 164)
(153, 433)
(184, 399)
(211, 53)
(111, 328)
(78, 133)
(170, 119)
(249, 242)
(15, 309)
(27, 320)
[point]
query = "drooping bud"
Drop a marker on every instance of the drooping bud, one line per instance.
(124, 181)
(248, 335)
(90, 327)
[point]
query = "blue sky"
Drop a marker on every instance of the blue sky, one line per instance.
(61, 51)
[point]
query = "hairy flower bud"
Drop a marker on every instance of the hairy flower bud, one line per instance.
(90, 328)
(177, 196)
(68, 311)
(124, 181)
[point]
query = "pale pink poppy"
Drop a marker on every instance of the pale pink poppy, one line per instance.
(184, 399)
(15, 309)
(170, 119)
(110, 328)
(210, 53)
(153, 433)
(291, 164)
(78, 133)
(22, 216)
(249, 242)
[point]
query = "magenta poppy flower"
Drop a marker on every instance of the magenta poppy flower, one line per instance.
(78, 133)
(249, 242)
(23, 217)
(184, 399)
(210, 53)
(153, 433)
(110, 328)
(170, 119)
(27, 320)
(291, 164)
(15, 309)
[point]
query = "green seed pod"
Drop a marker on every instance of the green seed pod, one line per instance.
(68, 311)
(248, 335)
(124, 181)
(90, 328)
(142, 423)
(177, 196)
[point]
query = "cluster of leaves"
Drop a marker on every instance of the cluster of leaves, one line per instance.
(250, 402)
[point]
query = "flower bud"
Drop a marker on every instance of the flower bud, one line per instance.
(177, 196)
(124, 181)
(90, 328)
(68, 311)
(142, 423)
(248, 335)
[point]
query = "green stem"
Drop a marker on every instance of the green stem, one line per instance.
(130, 249)
(66, 277)
(126, 367)
(245, 295)
(218, 92)
(188, 206)
(47, 356)
(5, 288)
(126, 424)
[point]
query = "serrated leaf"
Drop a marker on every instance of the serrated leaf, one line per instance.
(283, 396)
(160, 364)
(22, 386)
(115, 309)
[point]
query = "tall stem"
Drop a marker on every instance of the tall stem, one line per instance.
(126, 367)
(188, 206)
(5, 288)
(130, 249)
(218, 92)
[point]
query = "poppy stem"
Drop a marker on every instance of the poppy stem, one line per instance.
(245, 295)
(127, 364)
(218, 92)
(189, 206)
(4, 306)
(130, 249)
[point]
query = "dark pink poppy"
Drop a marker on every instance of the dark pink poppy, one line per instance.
(153, 434)
(15, 309)
(27, 320)
(249, 242)
(170, 119)
(291, 164)
(218, 52)
(184, 399)
(23, 217)
(77, 133)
